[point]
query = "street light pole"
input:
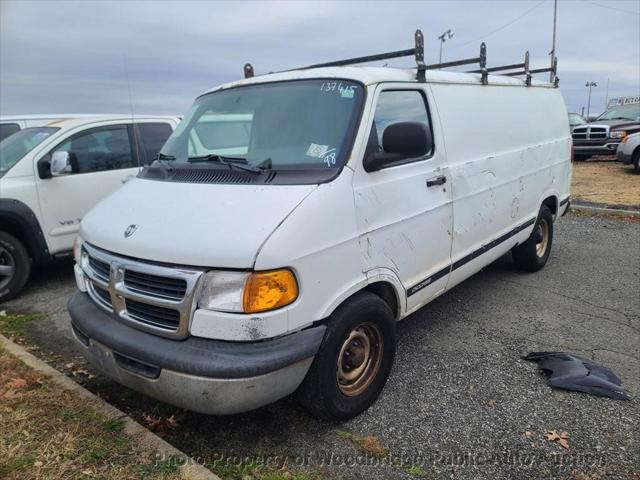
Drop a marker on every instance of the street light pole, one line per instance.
(589, 84)
(443, 38)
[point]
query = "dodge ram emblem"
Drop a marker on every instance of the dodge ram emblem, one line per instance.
(130, 230)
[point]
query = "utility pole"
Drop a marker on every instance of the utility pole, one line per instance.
(443, 38)
(606, 98)
(553, 44)
(589, 85)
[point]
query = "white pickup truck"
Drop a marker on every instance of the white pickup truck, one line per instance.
(52, 174)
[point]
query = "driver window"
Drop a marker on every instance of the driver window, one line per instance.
(100, 149)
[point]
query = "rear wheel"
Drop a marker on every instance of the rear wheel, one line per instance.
(15, 266)
(354, 360)
(533, 254)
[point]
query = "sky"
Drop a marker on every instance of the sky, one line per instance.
(155, 57)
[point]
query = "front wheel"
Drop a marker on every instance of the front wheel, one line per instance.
(354, 360)
(533, 254)
(15, 266)
(636, 160)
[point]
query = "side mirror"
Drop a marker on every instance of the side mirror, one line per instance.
(400, 141)
(62, 163)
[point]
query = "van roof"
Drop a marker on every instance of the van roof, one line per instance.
(373, 75)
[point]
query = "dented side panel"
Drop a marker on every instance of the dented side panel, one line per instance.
(403, 226)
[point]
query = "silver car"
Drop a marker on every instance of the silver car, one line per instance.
(629, 151)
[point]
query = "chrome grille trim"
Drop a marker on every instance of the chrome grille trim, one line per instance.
(120, 292)
(590, 133)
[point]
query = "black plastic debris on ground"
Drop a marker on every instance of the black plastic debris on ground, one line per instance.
(572, 372)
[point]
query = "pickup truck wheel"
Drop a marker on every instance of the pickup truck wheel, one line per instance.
(533, 254)
(15, 266)
(636, 160)
(354, 360)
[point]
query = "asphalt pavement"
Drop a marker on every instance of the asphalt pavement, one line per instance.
(460, 403)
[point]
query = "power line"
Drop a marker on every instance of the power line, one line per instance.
(613, 8)
(508, 24)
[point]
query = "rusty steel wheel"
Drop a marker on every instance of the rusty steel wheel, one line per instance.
(359, 359)
(542, 237)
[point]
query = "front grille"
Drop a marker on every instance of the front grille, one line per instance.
(101, 269)
(150, 314)
(155, 286)
(103, 295)
(590, 133)
(149, 296)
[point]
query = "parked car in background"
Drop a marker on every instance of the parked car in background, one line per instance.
(14, 123)
(281, 260)
(51, 175)
(575, 119)
(602, 136)
(629, 151)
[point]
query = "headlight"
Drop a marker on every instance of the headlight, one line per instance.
(245, 292)
(617, 134)
(77, 249)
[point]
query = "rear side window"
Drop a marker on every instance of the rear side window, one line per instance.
(153, 137)
(7, 129)
(399, 106)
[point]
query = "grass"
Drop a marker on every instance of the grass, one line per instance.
(15, 324)
(48, 433)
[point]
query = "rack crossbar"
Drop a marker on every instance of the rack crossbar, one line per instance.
(457, 63)
(499, 69)
(369, 58)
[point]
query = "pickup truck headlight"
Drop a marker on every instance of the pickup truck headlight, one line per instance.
(617, 134)
(246, 292)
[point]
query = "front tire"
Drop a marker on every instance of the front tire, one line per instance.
(636, 160)
(533, 254)
(15, 266)
(353, 363)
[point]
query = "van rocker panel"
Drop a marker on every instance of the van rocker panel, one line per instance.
(193, 355)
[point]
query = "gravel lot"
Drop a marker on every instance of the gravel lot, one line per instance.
(460, 403)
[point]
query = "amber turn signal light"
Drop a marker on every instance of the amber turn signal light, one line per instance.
(269, 290)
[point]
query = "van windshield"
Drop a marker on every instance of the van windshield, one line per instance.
(16, 146)
(303, 124)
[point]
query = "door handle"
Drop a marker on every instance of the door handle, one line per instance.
(441, 180)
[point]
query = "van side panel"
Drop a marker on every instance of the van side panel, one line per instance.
(508, 148)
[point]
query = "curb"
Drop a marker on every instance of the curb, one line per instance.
(189, 468)
(605, 210)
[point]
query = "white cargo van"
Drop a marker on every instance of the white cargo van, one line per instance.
(53, 173)
(354, 197)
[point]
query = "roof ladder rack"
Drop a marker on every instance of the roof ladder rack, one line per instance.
(418, 53)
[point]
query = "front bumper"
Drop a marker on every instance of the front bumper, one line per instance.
(623, 156)
(586, 148)
(206, 376)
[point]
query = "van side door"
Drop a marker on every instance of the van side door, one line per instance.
(404, 209)
(105, 156)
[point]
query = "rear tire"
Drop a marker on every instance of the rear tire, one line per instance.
(533, 254)
(353, 363)
(15, 266)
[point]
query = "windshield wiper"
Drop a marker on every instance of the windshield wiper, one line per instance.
(620, 118)
(161, 156)
(231, 162)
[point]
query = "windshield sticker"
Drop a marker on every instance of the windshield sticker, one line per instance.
(328, 155)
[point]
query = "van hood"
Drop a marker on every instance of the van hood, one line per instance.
(191, 224)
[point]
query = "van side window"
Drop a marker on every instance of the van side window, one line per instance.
(153, 136)
(106, 148)
(400, 106)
